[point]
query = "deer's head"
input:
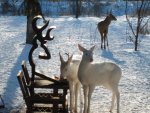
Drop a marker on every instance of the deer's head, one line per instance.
(112, 17)
(65, 66)
(87, 54)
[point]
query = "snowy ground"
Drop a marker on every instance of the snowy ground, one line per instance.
(134, 85)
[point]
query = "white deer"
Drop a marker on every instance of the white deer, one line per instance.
(69, 70)
(93, 74)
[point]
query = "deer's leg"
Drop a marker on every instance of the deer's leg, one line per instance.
(81, 99)
(118, 101)
(101, 34)
(116, 95)
(71, 87)
(104, 43)
(112, 102)
(105, 39)
(85, 91)
(91, 89)
(102, 39)
(77, 86)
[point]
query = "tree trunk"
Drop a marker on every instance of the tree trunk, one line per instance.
(30, 33)
(78, 5)
(33, 9)
(136, 43)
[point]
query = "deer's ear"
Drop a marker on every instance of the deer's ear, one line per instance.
(92, 48)
(110, 11)
(70, 58)
(81, 48)
(61, 58)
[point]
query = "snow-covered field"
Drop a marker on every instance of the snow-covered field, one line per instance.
(135, 82)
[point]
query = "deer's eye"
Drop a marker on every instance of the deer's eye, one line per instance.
(86, 54)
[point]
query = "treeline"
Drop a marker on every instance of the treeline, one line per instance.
(58, 7)
(68, 7)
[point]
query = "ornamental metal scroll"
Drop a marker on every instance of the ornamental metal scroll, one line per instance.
(43, 40)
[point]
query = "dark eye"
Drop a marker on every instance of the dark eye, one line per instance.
(86, 54)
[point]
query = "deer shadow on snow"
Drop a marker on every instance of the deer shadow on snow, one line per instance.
(109, 55)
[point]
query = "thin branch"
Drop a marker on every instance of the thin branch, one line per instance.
(142, 11)
(130, 25)
(140, 19)
(145, 24)
(146, 8)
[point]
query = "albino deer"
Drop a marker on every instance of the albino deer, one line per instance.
(69, 70)
(103, 28)
(93, 74)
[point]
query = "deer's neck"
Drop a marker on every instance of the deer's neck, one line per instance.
(83, 65)
(107, 20)
(82, 71)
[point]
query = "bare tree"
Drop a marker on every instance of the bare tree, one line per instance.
(14, 8)
(78, 8)
(32, 8)
(142, 8)
(6, 6)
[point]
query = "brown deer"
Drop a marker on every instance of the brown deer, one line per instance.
(103, 28)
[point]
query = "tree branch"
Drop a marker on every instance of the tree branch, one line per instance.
(130, 25)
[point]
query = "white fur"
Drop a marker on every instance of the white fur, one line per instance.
(94, 74)
(69, 70)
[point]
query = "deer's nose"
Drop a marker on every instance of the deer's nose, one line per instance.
(91, 59)
(61, 77)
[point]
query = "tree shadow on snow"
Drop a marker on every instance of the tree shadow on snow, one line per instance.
(10, 93)
(109, 55)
